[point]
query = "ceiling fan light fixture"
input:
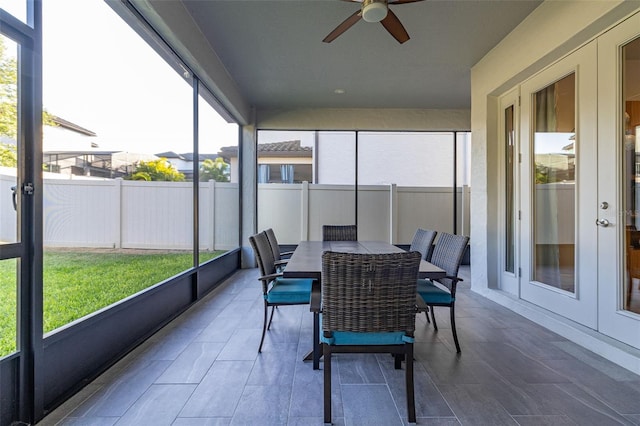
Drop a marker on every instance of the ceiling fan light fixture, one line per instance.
(374, 10)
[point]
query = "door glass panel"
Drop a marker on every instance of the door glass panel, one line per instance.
(631, 172)
(554, 146)
(8, 140)
(509, 207)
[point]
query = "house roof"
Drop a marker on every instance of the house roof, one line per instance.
(72, 126)
(189, 156)
(273, 149)
(169, 154)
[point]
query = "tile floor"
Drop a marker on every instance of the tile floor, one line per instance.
(203, 369)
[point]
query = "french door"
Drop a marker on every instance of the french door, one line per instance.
(619, 182)
(558, 187)
(579, 186)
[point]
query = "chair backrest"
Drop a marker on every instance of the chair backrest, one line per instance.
(448, 254)
(339, 233)
(423, 242)
(369, 292)
(264, 255)
(273, 241)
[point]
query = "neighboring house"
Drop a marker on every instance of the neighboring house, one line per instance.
(184, 162)
(73, 150)
(65, 136)
(278, 162)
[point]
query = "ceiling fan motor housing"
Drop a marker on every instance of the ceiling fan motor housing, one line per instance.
(374, 10)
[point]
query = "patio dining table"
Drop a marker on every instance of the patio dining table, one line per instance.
(306, 262)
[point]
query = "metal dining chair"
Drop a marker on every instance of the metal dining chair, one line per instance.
(276, 290)
(339, 233)
(368, 306)
(447, 255)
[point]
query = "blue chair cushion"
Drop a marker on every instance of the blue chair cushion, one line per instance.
(365, 339)
(430, 293)
(290, 291)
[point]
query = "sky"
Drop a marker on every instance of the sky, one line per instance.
(99, 74)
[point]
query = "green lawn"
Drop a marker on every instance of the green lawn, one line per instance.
(78, 283)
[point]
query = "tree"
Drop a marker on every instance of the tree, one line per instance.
(8, 155)
(8, 93)
(8, 106)
(156, 170)
(216, 169)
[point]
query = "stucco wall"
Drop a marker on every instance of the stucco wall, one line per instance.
(553, 30)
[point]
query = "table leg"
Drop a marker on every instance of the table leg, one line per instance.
(315, 354)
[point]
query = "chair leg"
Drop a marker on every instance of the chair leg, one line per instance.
(453, 328)
(433, 318)
(273, 309)
(397, 361)
(411, 402)
(326, 351)
(426, 314)
(264, 326)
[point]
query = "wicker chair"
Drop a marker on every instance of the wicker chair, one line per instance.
(447, 255)
(368, 306)
(278, 256)
(276, 291)
(339, 233)
(423, 242)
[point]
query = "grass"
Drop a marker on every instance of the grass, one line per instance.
(77, 283)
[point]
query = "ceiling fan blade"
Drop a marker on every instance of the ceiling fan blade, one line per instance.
(403, 1)
(344, 26)
(395, 27)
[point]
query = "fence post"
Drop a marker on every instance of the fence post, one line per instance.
(304, 211)
(393, 212)
(464, 208)
(212, 212)
(117, 182)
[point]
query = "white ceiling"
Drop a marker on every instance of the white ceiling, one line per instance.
(274, 52)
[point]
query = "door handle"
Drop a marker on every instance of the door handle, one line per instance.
(602, 222)
(14, 197)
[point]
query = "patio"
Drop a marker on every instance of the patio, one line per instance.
(204, 369)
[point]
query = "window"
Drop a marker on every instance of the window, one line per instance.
(115, 108)
(404, 180)
(219, 193)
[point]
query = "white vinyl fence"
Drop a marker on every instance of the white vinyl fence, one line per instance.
(385, 212)
(130, 214)
(158, 215)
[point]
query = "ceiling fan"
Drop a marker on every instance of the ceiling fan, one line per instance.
(374, 11)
